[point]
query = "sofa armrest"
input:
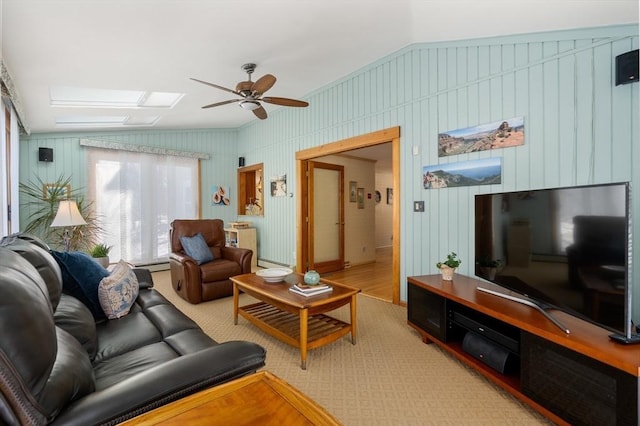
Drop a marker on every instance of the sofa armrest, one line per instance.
(239, 255)
(145, 280)
(165, 383)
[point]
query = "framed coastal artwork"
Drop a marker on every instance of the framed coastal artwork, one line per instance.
(499, 134)
(55, 191)
(279, 186)
(360, 197)
(220, 195)
(487, 171)
(352, 191)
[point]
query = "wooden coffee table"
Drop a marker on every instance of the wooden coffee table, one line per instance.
(296, 320)
(257, 399)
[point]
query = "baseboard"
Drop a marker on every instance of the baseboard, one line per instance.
(270, 264)
(155, 267)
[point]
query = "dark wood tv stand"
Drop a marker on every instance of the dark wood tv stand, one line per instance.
(578, 378)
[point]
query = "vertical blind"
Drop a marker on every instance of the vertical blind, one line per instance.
(137, 196)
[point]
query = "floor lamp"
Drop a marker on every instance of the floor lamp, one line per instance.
(67, 216)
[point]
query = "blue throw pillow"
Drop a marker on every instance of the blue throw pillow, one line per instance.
(81, 276)
(197, 248)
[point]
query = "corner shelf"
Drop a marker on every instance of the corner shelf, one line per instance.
(243, 238)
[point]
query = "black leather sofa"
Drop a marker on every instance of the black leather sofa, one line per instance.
(59, 366)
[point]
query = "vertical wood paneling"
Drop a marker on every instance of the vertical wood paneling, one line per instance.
(579, 129)
(431, 88)
(602, 101)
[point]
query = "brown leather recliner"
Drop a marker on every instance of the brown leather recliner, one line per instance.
(199, 283)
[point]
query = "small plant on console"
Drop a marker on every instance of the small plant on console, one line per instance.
(448, 267)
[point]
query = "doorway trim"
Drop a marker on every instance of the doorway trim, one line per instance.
(391, 134)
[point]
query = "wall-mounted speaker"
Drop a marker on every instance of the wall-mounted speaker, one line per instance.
(627, 67)
(45, 154)
(240, 161)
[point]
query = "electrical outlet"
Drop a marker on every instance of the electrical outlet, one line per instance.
(418, 206)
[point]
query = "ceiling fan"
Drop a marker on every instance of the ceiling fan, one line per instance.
(251, 93)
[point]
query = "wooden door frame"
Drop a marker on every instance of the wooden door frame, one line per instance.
(392, 135)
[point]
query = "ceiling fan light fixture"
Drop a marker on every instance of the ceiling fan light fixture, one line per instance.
(250, 105)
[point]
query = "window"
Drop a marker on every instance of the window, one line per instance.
(137, 196)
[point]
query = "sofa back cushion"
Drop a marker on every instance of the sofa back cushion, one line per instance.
(42, 368)
(35, 252)
(75, 318)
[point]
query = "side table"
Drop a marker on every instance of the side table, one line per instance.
(258, 399)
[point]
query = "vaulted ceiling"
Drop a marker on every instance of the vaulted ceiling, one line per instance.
(149, 46)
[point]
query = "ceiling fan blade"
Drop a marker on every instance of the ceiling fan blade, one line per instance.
(260, 112)
(216, 86)
(263, 84)
(221, 103)
(285, 102)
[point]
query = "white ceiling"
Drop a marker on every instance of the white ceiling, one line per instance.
(156, 45)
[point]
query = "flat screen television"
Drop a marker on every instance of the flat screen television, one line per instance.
(563, 248)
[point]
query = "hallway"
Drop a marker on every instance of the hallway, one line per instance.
(374, 279)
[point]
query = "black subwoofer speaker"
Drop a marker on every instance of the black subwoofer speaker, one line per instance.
(627, 67)
(489, 352)
(45, 154)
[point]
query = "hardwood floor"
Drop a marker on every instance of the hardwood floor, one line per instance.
(374, 279)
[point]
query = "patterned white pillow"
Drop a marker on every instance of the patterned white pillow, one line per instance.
(118, 291)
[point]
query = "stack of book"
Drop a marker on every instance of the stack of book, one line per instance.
(310, 290)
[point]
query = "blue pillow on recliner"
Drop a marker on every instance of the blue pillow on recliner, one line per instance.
(197, 248)
(81, 276)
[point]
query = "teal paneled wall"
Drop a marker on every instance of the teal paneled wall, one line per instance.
(69, 159)
(580, 129)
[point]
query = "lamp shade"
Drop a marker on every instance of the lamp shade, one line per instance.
(68, 215)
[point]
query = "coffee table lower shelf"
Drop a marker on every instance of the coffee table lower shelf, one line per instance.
(321, 329)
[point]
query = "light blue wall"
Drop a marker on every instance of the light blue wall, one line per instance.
(70, 159)
(580, 129)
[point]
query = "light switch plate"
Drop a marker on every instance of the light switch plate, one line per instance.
(418, 206)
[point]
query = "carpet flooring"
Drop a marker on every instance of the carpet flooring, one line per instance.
(389, 377)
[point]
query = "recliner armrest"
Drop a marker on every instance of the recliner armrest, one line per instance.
(181, 258)
(165, 383)
(239, 255)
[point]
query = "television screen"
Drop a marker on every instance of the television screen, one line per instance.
(565, 247)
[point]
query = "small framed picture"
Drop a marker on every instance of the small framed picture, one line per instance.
(389, 195)
(361, 198)
(352, 191)
(56, 192)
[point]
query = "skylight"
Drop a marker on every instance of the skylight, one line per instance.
(105, 121)
(65, 96)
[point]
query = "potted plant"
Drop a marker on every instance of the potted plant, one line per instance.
(488, 267)
(448, 267)
(100, 252)
(41, 201)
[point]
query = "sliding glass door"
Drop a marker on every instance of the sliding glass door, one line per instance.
(137, 196)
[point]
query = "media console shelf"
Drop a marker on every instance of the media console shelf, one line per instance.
(578, 378)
